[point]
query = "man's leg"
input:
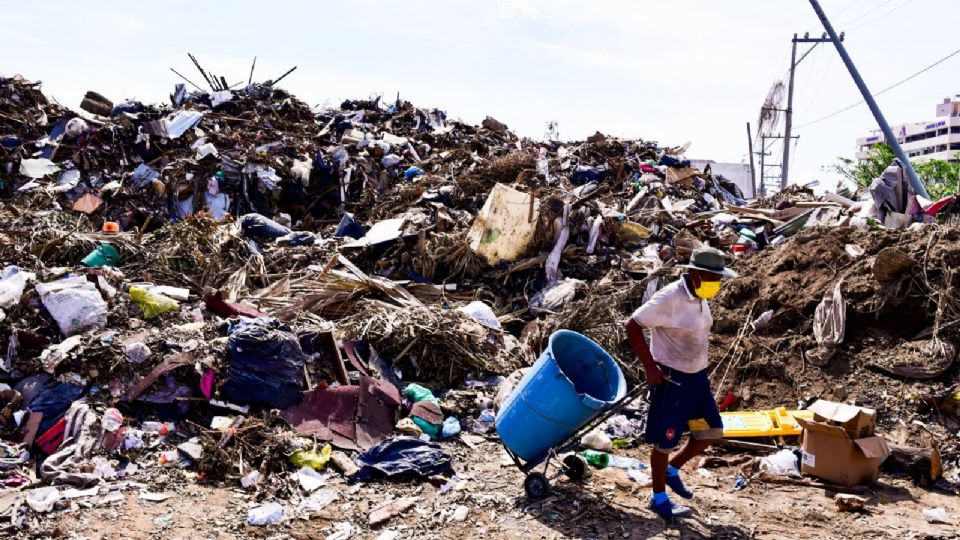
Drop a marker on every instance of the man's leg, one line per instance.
(665, 421)
(699, 385)
(692, 449)
(658, 469)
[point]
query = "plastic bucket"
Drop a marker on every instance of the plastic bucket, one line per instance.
(572, 382)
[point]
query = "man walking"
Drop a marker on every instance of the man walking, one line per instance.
(675, 365)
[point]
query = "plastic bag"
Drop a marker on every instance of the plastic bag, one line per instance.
(13, 281)
(403, 457)
(936, 515)
(310, 479)
(597, 441)
(75, 304)
(312, 458)
(554, 297)
(621, 426)
(43, 499)
(783, 463)
(152, 304)
(268, 514)
(102, 255)
(250, 479)
(418, 393)
(266, 364)
(319, 500)
(482, 313)
(451, 427)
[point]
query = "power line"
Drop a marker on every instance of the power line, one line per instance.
(885, 90)
(817, 76)
(850, 5)
(865, 14)
(882, 15)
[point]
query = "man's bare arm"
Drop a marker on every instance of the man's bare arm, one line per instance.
(638, 342)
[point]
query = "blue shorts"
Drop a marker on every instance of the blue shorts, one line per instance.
(672, 406)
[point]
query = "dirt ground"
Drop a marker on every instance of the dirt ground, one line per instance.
(608, 505)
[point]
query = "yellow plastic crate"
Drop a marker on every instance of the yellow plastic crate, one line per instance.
(773, 423)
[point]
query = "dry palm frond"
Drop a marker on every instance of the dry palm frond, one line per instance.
(435, 343)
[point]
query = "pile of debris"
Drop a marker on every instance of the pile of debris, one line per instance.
(176, 274)
(177, 271)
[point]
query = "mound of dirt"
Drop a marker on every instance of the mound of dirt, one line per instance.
(901, 331)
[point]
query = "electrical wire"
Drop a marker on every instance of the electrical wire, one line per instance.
(850, 5)
(817, 73)
(865, 14)
(885, 90)
(804, 83)
(823, 79)
(882, 15)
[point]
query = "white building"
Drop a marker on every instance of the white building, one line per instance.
(738, 173)
(939, 139)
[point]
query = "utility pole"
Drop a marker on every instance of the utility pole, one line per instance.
(891, 139)
(764, 166)
(753, 172)
(763, 153)
(789, 117)
(788, 129)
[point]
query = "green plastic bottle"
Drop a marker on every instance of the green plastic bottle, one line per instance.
(600, 460)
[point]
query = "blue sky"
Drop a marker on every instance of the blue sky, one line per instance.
(672, 71)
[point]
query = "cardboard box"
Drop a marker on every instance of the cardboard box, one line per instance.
(832, 449)
(858, 422)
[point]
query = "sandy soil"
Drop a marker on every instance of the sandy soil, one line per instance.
(608, 505)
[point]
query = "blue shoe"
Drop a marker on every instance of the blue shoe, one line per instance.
(669, 509)
(676, 484)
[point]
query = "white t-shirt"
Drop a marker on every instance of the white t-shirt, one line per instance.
(679, 324)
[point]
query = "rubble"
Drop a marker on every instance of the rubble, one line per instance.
(200, 293)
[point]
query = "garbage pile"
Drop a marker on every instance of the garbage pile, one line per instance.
(864, 316)
(238, 288)
(174, 275)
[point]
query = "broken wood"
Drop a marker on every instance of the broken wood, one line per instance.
(344, 464)
(384, 512)
(849, 503)
(923, 465)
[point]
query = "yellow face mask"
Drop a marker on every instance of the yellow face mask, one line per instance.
(707, 289)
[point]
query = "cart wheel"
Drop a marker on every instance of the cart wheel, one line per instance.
(536, 485)
(575, 467)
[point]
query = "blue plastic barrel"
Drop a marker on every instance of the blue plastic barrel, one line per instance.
(569, 385)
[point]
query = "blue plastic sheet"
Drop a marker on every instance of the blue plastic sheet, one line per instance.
(403, 457)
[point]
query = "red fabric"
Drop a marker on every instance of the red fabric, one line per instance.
(936, 207)
(51, 439)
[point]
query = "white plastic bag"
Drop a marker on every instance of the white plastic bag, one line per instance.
(267, 514)
(482, 313)
(597, 440)
(783, 463)
(75, 304)
(552, 298)
(13, 281)
(43, 499)
(309, 479)
(638, 476)
(936, 515)
(319, 500)
(37, 168)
